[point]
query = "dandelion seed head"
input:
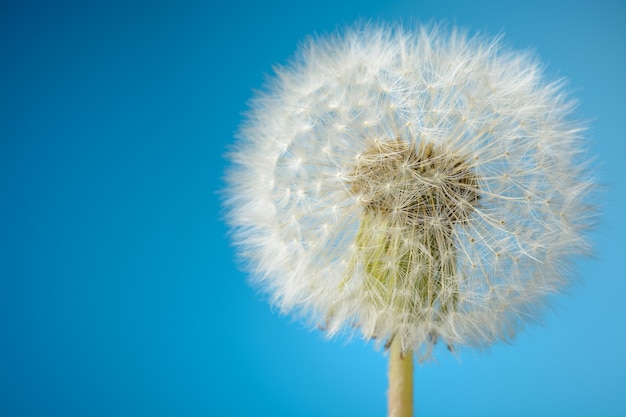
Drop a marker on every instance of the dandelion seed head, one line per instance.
(422, 185)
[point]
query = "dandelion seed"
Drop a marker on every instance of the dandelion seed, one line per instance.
(438, 193)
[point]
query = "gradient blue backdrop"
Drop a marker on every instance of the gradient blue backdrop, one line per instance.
(119, 295)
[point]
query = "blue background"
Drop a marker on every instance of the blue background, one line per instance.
(119, 293)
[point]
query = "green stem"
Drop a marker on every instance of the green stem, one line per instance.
(400, 381)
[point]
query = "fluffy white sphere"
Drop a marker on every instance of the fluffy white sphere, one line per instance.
(426, 186)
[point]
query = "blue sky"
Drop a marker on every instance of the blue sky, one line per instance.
(119, 292)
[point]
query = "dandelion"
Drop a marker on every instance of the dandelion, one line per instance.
(413, 187)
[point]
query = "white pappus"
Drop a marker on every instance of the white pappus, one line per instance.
(424, 185)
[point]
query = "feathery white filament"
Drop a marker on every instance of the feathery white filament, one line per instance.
(422, 186)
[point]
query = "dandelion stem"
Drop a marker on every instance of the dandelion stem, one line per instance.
(400, 381)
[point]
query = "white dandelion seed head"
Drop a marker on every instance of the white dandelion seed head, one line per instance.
(426, 186)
